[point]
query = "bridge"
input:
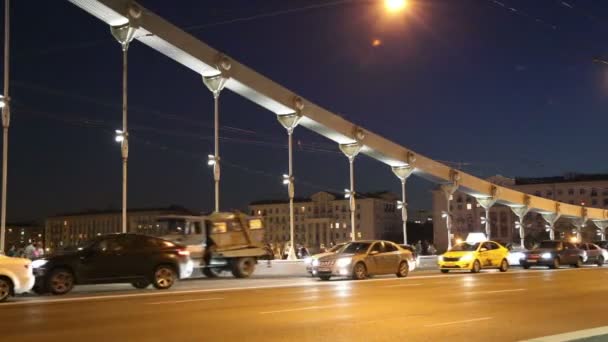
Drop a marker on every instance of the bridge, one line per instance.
(129, 20)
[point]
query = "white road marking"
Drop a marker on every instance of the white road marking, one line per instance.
(315, 307)
(185, 301)
(571, 336)
(458, 322)
(501, 291)
(399, 285)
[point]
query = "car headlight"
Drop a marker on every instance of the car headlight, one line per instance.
(343, 262)
(308, 260)
(518, 255)
(440, 258)
(467, 257)
(315, 262)
(546, 255)
(39, 263)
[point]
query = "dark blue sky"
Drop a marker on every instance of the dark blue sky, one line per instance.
(501, 89)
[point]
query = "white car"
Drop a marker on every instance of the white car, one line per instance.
(515, 255)
(16, 276)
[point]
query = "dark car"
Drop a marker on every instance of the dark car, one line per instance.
(554, 253)
(117, 258)
(595, 254)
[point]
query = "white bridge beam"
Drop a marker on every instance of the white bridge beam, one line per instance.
(189, 51)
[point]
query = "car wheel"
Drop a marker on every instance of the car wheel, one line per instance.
(404, 269)
(211, 272)
(476, 267)
(60, 281)
(600, 261)
(359, 271)
(555, 264)
(141, 283)
(525, 266)
(325, 277)
(6, 288)
(445, 271)
(504, 265)
(164, 277)
(579, 263)
(243, 267)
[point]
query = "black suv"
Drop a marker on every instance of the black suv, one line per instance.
(117, 258)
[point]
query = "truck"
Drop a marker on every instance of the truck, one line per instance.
(219, 242)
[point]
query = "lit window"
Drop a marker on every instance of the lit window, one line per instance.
(469, 206)
(337, 224)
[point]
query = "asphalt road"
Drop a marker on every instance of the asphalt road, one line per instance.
(491, 306)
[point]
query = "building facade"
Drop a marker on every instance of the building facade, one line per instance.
(76, 228)
(467, 214)
(324, 219)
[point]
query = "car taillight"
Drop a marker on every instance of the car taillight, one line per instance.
(183, 252)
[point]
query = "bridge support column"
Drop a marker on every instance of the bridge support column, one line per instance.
(403, 173)
(521, 212)
(486, 203)
(602, 225)
(448, 191)
(215, 83)
(290, 121)
(124, 34)
(351, 151)
(551, 218)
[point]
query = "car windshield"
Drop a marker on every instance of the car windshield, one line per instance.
(355, 248)
(548, 244)
(465, 247)
(336, 248)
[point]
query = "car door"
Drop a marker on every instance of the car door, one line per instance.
(138, 256)
(101, 261)
(374, 258)
(485, 254)
(494, 254)
(570, 253)
(391, 258)
(593, 252)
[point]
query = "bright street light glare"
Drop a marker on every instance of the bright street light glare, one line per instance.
(394, 6)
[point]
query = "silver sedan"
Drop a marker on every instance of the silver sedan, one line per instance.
(360, 259)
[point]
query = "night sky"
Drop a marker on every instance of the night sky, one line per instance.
(492, 89)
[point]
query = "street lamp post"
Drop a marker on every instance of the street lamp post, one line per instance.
(602, 225)
(551, 219)
(215, 84)
(124, 35)
(6, 119)
(290, 121)
(521, 212)
(486, 203)
(351, 150)
(403, 173)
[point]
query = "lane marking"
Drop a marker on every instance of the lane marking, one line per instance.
(314, 307)
(38, 301)
(184, 301)
(400, 285)
(501, 291)
(571, 336)
(458, 322)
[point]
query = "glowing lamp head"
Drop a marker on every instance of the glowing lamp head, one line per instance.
(210, 160)
(120, 135)
(394, 6)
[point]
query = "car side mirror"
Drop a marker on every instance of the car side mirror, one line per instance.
(483, 249)
(373, 252)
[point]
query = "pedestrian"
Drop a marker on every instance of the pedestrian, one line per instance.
(39, 252)
(432, 250)
(419, 247)
(12, 251)
(30, 251)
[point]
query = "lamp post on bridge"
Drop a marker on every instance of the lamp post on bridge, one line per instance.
(449, 190)
(403, 173)
(290, 121)
(521, 212)
(215, 83)
(6, 119)
(124, 34)
(351, 151)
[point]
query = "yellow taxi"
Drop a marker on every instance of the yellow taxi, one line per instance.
(473, 256)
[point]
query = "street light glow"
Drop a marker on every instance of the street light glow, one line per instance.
(120, 135)
(286, 179)
(210, 160)
(347, 193)
(394, 6)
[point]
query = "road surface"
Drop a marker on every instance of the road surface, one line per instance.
(427, 306)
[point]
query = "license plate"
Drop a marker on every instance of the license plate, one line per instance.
(531, 261)
(324, 269)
